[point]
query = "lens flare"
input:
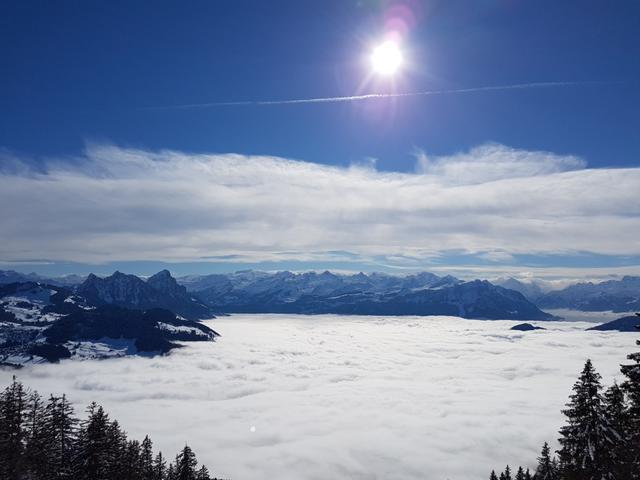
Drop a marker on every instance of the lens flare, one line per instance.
(386, 58)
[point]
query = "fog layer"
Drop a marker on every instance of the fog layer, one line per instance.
(294, 397)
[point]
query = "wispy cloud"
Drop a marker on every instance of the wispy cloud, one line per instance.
(373, 96)
(495, 162)
(126, 204)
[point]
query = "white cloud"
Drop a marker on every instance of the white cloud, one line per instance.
(497, 256)
(348, 397)
(126, 204)
(495, 162)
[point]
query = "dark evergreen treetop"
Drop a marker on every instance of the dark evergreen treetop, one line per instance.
(631, 388)
(45, 441)
(587, 437)
(601, 439)
(520, 474)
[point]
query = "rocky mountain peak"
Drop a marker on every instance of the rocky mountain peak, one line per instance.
(165, 283)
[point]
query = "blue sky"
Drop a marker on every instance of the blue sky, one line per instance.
(86, 70)
(85, 74)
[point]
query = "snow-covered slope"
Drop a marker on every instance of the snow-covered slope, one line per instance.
(40, 322)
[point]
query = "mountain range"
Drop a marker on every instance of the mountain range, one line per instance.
(611, 295)
(11, 276)
(360, 294)
(122, 313)
(199, 296)
(615, 295)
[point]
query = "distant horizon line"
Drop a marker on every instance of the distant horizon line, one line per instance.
(336, 272)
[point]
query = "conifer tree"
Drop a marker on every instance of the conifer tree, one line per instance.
(13, 402)
(41, 441)
(507, 473)
(520, 474)
(146, 459)
(186, 464)
(131, 461)
(615, 409)
(493, 475)
(94, 460)
(36, 449)
(159, 467)
(601, 440)
(631, 387)
(546, 466)
(587, 438)
(171, 472)
(203, 474)
(61, 431)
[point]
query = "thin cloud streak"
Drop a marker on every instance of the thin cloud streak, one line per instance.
(372, 96)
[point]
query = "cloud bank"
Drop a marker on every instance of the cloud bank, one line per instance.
(348, 397)
(127, 204)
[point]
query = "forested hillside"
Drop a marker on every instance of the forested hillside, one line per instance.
(44, 440)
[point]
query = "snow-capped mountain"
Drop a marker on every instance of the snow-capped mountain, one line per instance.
(129, 291)
(374, 294)
(616, 295)
(10, 276)
(41, 322)
(198, 283)
(531, 290)
(287, 287)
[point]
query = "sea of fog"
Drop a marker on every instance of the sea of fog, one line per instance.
(317, 397)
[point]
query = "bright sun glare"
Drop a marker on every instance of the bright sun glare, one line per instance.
(386, 58)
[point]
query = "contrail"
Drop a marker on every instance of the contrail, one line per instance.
(370, 96)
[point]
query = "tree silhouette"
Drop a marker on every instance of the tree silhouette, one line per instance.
(41, 441)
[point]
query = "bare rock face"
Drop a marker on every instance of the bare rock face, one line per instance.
(129, 291)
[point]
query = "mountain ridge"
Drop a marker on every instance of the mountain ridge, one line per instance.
(129, 291)
(197, 296)
(361, 294)
(615, 295)
(45, 322)
(630, 323)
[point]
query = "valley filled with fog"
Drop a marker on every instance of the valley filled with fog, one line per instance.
(328, 396)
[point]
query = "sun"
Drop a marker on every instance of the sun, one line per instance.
(386, 58)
